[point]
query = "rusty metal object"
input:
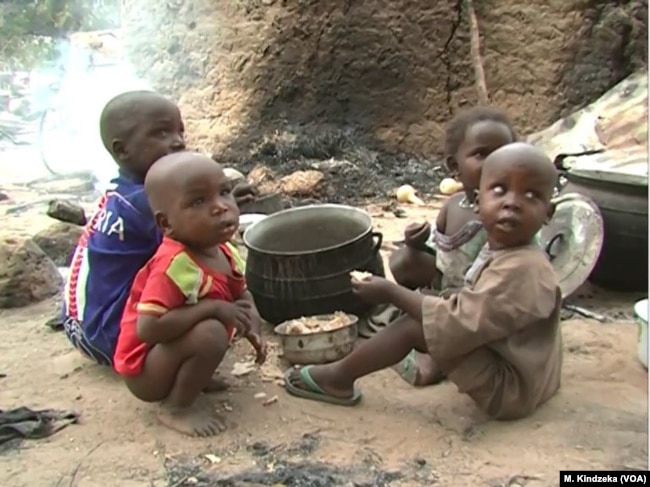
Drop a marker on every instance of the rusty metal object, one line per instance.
(616, 124)
(602, 153)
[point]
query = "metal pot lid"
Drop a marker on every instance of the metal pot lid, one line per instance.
(573, 240)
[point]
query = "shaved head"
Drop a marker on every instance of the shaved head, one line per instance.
(168, 174)
(514, 201)
(521, 154)
(121, 112)
(139, 127)
(191, 199)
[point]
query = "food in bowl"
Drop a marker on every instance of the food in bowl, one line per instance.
(317, 324)
(360, 275)
(318, 339)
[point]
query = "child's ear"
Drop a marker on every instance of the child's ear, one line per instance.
(119, 149)
(476, 201)
(452, 166)
(163, 223)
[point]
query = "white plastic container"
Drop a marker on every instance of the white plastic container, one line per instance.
(641, 315)
(248, 219)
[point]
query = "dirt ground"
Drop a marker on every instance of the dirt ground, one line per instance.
(398, 435)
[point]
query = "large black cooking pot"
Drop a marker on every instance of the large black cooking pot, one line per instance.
(299, 261)
(623, 203)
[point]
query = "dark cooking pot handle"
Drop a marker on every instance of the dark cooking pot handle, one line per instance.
(380, 239)
(558, 162)
(557, 238)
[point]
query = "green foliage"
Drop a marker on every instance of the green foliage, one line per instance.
(29, 27)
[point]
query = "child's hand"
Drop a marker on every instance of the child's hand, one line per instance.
(244, 193)
(417, 234)
(259, 344)
(238, 314)
(254, 334)
(373, 289)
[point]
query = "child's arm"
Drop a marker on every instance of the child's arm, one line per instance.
(178, 321)
(248, 297)
(175, 323)
(441, 220)
(408, 301)
(254, 335)
(163, 312)
(378, 290)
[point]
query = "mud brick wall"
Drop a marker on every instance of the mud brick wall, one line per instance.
(394, 70)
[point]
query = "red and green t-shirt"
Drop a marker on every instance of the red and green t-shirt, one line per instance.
(170, 279)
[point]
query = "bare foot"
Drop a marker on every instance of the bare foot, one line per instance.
(195, 420)
(216, 384)
(323, 377)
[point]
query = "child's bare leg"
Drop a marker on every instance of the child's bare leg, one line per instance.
(412, 268)
(176, 373)
(385, 349)
(217, 384)
(415, 269)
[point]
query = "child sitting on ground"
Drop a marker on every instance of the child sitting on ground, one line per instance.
(438, 258)
(188, 301)
(137, 128)
(498, 338)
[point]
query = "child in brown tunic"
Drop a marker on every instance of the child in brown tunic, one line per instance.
(436, 255)
(498, 338)
(471, 136)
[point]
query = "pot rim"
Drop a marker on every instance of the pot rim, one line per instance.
(269, 221)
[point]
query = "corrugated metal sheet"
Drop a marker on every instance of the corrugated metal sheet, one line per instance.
(617, 122)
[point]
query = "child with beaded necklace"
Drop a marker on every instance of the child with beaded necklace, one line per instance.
(437, 259)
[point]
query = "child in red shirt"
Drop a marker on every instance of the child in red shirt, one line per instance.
(189, 300)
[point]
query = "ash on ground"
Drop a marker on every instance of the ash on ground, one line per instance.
(355, 172)
(295, 465)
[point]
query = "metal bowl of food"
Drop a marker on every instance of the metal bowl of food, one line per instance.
(318, 339)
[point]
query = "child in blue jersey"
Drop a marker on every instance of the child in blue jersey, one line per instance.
(137, 128)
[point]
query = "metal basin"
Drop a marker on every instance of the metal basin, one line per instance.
(319, 347)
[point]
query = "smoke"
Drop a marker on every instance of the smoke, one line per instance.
(55, 114)
(93, 73)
